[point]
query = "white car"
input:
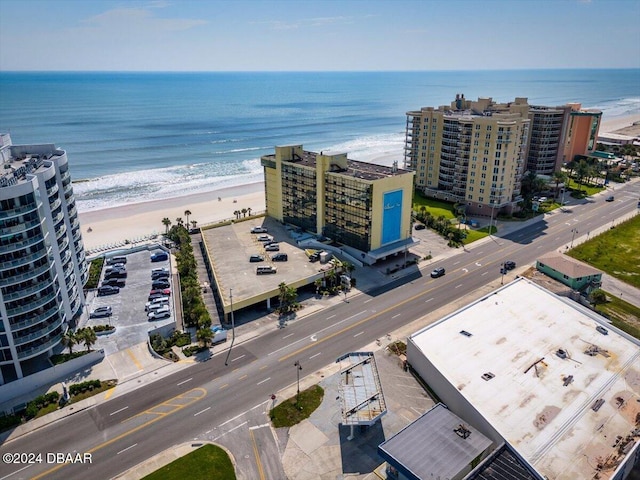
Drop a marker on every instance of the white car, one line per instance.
(259, 230)
(154, 304)
(159, 315)
(158, 307)
(265, 238)
(272, 247)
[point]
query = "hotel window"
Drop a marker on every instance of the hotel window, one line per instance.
(488, 128)
(480, 199)
(476, 135)
(486, 152)
(475, 143)
(477, 126)
(471, 189)
(487, 144)
(497, 156)
(482, 191)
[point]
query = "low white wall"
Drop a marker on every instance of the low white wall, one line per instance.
(48, 377)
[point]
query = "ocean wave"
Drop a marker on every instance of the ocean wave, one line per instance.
(619, 108)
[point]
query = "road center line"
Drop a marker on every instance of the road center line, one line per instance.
(185, 381)
(313, 356)
(265, 380)
(121, 451)
(201, 411)
(118, 411)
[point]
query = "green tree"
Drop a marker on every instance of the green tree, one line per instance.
(244, 212)
(249, 211)
(582, 171)
(179, 221)
(204, 336)
(87, 336)
(69, 340)
(597, 297)
(558, 177)
(167, 223)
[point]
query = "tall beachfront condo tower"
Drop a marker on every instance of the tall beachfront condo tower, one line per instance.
(547, 134)
(582, 133)
(359, 205)
(42, 258)
(470, 152)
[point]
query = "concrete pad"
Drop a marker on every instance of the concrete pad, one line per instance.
(307, 437)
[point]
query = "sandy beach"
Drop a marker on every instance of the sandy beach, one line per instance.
(137, 220)
(134, 221)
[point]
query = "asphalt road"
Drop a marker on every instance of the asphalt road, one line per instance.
(219, 399)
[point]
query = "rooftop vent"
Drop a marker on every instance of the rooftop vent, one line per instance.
(462, 431)
(597, 404)
(487, 376)
(561, 353)
(465, 333)
(567, 380)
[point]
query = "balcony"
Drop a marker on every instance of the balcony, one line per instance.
(25, 292)
(32, 352)
(20, 228)
(21, 340)
(12, 247)
(15, 212)
(34, 305)
(55, 310)
(52, 190)
(42, 252)
(24, 276)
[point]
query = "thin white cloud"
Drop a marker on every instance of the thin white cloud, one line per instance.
(302, 23)
(140, 18)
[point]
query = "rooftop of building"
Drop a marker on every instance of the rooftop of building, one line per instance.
(355, 168)
(437, 445)
(360, 390)
(536, 368)
(20, 160)
(568, 266)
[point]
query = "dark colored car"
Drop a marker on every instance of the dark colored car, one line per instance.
(610, 198)
(158, 275)
(159, 257)
(420, 226)
(101, 312)
(509, 264)
(107, 290)
(115, 274)
(438, 272)
(280, 257)
(256, 258)
(314, 257)
(114, 282)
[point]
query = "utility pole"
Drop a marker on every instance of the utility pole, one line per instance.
(233, 328)
(573, 232)
(298, 368)
(502, 270)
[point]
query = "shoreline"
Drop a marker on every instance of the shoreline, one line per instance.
(134, 221)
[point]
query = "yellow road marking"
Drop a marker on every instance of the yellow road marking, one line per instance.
(257, 455)
(243, 377)
(108, 393)
(135, 360)
(202, 393)
(224, 386)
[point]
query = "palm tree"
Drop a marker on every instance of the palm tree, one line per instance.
(244, 212)
(87, 336)
(69, 339)
(249, 211)
(167, 223)
(559, 177)
(597, 297)
(204, 336)
(237, 213)
(582, 171)
(186, 214)
(179, 221)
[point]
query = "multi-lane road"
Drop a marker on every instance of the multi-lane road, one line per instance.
(213, 399)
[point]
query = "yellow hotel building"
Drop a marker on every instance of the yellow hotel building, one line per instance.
(363, 207)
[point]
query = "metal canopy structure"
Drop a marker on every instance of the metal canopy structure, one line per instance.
(360, 389)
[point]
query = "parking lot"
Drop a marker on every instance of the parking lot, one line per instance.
(230, 248)
(128, 306)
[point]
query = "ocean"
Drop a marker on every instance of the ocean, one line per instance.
(134, 137)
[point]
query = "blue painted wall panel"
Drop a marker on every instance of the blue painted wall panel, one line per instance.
(392, 216)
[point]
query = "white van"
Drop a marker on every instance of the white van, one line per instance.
(266, 269)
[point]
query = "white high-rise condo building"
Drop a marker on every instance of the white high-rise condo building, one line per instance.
(42, 258)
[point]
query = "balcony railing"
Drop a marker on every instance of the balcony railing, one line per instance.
(40, 348)
(18, 211)
(20, 340)
(37, 319)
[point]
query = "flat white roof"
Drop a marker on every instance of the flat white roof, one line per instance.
(541, 403)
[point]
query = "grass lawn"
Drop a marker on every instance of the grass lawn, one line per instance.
(623, 315)
(208, 461)
(473, 235)
(435, 207)
(290, 413)
(104, 386)
(617, 252)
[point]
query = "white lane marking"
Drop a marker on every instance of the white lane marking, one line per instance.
(314, 356)
(121, 451)
(358, 334)
(396, 315)
(287, 336)
(201, 411)
(427, 301)
(457, 262)
(480, 253)
(255, 427)
(238, 426)
(238, 358)
(484, 273)
(17, 471)
(458, 286)
(367, 301)
(118, 411)
(313, 338)
(329, 318)
(185, 381)
(262, 381)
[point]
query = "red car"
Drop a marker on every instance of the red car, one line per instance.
(162, 291)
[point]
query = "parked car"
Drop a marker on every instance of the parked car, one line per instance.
(509, 265)
(266, 270)
(117, 266)
(156, 301)
(114, 282)
(107, 290)
(160, 270)
(437, 272)
(156, 295)
(162, 291)
(158, 315)
(602, 330)
(272, 247)
(259, 230)
(265, 238)
(116, 260)
(160, 276)
(158, 307)
(256, 258)
(280, 257)
(419, 226)
(314, 257)
(159, 256)
(160, 284)
(115, 274)
(101, 312)
(610, 198)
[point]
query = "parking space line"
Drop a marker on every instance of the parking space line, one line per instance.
(135, 360)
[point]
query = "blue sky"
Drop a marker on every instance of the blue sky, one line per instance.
(255, 35)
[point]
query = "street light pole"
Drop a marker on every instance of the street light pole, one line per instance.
(298, 368)
(502, 270)
(573, 231)
(233, 328)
